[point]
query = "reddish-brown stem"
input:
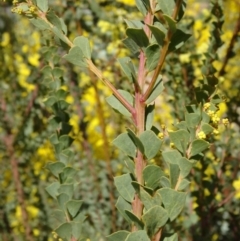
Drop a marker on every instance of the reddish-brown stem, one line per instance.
(139, 120)
(158, 235)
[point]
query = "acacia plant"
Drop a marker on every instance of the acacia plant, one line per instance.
(151, 196)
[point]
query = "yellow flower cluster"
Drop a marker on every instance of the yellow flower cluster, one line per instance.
(160, 135)
(236, 185)
(225, 121)
(127, 2)
(17, 10)
(206, 106)
(201, 135)
(214, 117)
(24, 8)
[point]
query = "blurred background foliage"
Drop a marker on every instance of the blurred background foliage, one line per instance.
(213, 207)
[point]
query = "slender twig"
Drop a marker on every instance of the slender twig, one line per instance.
(19, 188)
(230, 47)
(163, 54)
(99, 74)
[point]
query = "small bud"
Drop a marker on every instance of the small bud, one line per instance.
(201, 135)
(215, 132)
(19, 11)
(54, 234)
(210, 113)
(32, 9)
(215, 119)
(206, 106)
(160, 135)
(172, 145)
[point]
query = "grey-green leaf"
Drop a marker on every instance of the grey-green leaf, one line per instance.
(165, 182)
(158, 34)
(152, 175)
(185, 166)
(178, 39)
(75, 56)
(55, 168)
(171, 156)
(64, 231)
(155, 218)
(76, 229)
(174, 174)
(149, 116)
(192, 119)
(59, 215)
(143, 6)
(173, 237)
(60, 34)
(140, 235)
(125, 143)
(43, 5)
(67, 175)
(67, 189)
(153, 55)
(206, 128)
(124, 186)
(134, 23)
(138, 36)
(134, 219)
(117, 105)
(52, 189)
(83, 43)
(151, 144)
(180, 139)
(149, 201)
(171, 23)
(54, 19)
(130, 165)
(136, 140)
(173, 201)
(123, 205)
(198, 146)
(183, 184)
(128, 68)
(118, 236)
(39, 23)
(131, 45)
(167, 7)
(62, 198)
(73, 207)
(157, 90)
